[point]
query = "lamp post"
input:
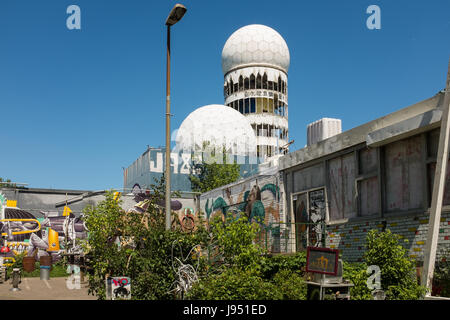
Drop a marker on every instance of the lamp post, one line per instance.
(175, 15)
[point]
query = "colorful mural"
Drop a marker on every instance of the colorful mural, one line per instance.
(252, 203)
(22, 232)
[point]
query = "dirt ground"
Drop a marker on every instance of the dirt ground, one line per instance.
(37, 289)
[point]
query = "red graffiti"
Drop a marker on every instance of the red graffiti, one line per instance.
(119, 281)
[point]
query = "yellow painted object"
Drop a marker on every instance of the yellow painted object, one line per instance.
(10, 259)
(22, 232)
(66, 211)
(53, 241)
(11, 203)
(18, 247)
(116, 196)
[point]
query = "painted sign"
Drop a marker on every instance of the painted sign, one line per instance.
(322, 260)
(118, 288)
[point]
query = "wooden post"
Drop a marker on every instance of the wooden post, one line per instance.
(438, 191)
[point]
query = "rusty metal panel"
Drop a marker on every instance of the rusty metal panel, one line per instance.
(368, 160)
(369, 196)
(308, 178)
(404, 175)
(342, 191)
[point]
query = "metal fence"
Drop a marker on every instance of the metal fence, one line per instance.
(279, 237)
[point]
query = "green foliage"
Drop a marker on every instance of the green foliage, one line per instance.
(234, 284)
(135, 245)
(357, 274)
(209, 176)
(290, 285)
(245, 273)
(398, 278)
(235, 242)
(59, 269)
(7, 184)
(441, 278)
(296, 262)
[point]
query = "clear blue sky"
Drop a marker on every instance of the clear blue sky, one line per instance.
(78, 105)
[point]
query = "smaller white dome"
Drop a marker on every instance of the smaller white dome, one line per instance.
(255, 44)
(218, 126)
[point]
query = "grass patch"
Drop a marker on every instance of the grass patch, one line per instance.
(57, 271)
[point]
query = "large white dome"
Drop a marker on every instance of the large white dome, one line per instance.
(219, 126)
(255, 44)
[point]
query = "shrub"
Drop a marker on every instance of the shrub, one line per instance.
(398, 278)
(290, 285)
(356, 273)
(271, 265)
(234, 284)
(441, 279)
(146, 253)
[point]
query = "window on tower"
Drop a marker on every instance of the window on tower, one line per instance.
(264, 81)
(246, 83)
(259, 105)
(258, 82)
(246, 105)
(252, 81)
(270, 102)
(252, 105)
(265, 105)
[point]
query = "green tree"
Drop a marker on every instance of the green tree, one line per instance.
(7, 183)
(208, 175)
(398, 277)
(135, 245)
(243, 271)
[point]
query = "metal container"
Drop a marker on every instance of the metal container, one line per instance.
(28, 264)
(46, 261)
(45, 272)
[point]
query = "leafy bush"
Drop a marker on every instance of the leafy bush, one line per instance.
(398, 278)
(234, 284)
(135, 245)
(290, 285)
(356, 273)
(234, 239)
(441, 279)
(271, 265)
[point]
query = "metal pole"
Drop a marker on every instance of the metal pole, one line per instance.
(438, 191)
(167, 171)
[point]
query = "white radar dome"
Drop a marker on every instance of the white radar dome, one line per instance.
(216, 126)
(255, 44)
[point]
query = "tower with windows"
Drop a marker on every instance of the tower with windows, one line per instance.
(255, 62)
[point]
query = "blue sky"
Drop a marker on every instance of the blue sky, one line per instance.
(78, 105)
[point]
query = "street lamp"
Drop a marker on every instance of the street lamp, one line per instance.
(175, 15)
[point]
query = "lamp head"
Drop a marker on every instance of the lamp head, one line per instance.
(175, 14)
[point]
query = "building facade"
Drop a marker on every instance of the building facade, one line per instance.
(375, 176)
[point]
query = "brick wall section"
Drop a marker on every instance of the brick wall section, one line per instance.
(350, 238)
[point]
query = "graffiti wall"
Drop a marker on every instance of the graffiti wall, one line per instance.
(258, 198)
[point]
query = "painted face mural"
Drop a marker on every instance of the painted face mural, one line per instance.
(258, 204)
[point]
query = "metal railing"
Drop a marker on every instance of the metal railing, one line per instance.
(282, 237)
